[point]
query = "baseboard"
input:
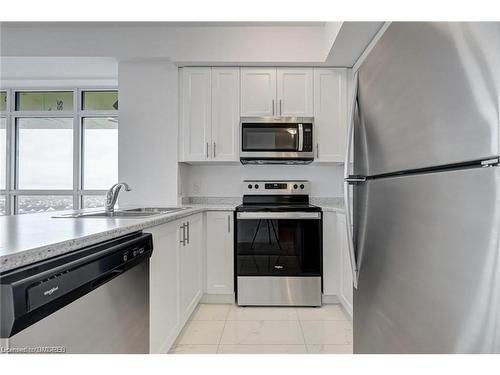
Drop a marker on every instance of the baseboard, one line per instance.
(346, 306)
(330, 299)
(169, 341)
(167, 345)
(218, 298)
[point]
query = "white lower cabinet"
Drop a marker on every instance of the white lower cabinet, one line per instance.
(191, 282)
(164, 318)
(219, 253)
(175, 278)
(331, 255)
(337, 276)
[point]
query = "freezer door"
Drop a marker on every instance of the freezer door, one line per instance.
(429, 96)
(429, 263)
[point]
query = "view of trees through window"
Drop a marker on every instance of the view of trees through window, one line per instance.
(58, 149)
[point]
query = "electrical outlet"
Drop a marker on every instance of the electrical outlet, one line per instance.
(196, 188)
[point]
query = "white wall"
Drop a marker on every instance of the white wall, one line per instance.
(147, 156)
(49, 72)
(225, 180)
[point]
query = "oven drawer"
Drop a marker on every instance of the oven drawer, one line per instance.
(279, 291)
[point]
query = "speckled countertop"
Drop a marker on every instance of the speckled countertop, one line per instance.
(25, 239)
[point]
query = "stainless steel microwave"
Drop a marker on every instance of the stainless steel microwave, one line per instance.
(276, 140)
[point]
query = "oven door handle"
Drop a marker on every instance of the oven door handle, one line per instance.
(279, 215)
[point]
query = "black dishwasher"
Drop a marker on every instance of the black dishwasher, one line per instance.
(91, 300)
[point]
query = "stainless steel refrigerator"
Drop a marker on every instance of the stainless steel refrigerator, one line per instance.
(425, 187)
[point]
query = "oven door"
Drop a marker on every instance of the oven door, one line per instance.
(278, 244)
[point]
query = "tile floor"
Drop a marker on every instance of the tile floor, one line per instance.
(229, 329)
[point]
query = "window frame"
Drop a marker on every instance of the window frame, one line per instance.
(11, 191)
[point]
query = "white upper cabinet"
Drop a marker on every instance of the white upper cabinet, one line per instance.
(219, 247)
(213, 100)
(295, 92)
(277, 92)
(258, 92)
(225, 113)
(330, 114)
(196, 114)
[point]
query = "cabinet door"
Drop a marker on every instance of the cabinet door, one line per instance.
(295, 92)
(164, 287)
(258, 91)
(196, 116)
(191, 262)
(346, 286)
(225, 113)
(331, 254)
(330, 114)
(220, 265)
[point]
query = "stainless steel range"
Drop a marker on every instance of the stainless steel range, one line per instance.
(278, 245)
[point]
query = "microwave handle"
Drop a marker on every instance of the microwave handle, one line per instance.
(301, 137)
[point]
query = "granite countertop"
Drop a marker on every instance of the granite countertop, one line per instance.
(25, 239)
(329, 204)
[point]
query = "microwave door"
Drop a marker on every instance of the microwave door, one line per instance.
(270, 138)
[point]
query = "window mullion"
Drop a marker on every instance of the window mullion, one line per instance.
(76, 149)
(9, 149)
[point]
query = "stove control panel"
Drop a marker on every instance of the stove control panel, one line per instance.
(275, 187)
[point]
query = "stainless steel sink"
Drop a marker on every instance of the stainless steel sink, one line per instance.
(125, 213)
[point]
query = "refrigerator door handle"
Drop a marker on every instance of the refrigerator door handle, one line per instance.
(348, 179)
(350, 242)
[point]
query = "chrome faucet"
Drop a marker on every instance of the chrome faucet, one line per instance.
(112, 195)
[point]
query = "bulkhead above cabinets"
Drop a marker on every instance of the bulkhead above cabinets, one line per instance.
(212, 100)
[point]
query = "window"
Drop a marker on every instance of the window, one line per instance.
(58, 149)
(100, 152)
(100, 100)
(44, 101)
(3, 101)
(45, 153)
(93, 201)
(3, 152)
(29, 204)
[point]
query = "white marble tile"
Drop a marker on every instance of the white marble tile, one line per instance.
(194, 349)
(262, 332)
(262, 349)
(329, 349)
(262, 313)
(201, 332)
(211, 312)
(327, 332)
(325, 312)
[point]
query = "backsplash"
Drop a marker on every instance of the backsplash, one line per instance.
(226, 180)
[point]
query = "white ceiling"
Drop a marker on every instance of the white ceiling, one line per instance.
(191, 43)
